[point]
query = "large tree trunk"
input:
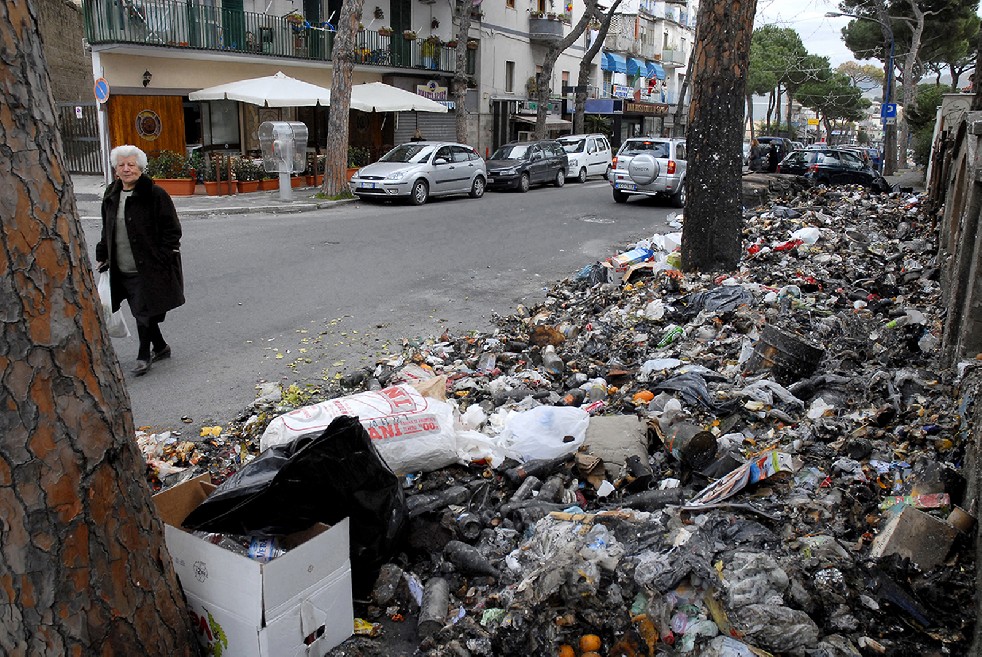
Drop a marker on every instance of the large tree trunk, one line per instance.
(343, 56)
(543, 80)
(713, 212)
(83, 566)
(586, 68)
(460, 69)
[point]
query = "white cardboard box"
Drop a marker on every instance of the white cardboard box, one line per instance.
(298, 604)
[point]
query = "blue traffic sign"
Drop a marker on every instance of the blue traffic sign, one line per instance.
(101, 90)
(888, 111)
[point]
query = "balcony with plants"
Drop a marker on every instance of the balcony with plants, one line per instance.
(180, 25)
(547, 27)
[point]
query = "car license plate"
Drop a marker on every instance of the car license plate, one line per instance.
(623, 185)
(366, 185)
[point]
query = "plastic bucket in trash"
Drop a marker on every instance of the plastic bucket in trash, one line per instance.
(691, 444)
(789, 357)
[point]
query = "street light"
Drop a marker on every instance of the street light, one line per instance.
(890, 130)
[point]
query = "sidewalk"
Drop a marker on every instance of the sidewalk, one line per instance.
(913, 178)
(89, 191)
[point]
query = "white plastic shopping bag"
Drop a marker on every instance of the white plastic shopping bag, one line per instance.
(544, 432)
(115, 322)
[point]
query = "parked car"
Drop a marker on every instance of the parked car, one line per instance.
(797, 145)
(833, 166)
(521, 164)
(650, 166)
(420, 170)
(778, 148)
(589, 155)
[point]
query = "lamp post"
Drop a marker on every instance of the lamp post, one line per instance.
(890, 129)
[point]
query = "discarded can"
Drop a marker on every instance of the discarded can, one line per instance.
(433, 608)
(671, 334)
(265, 549)
(691, 444)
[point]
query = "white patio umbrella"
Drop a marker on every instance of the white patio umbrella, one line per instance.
(381, 97)
(271, 91)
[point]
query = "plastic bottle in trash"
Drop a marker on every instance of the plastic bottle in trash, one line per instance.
(551, 361)
(671, 334)
(550, 489)
(265, 549)
(536, 468)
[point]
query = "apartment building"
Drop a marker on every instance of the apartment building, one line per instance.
(148, 55)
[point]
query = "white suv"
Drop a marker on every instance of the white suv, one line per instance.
(652, 166)
(589, 155)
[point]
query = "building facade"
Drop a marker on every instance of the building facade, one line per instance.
(148, 55)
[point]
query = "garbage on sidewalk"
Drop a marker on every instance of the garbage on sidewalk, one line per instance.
(764, 462)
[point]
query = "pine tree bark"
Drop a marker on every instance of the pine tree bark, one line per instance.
(83, 566)
(343, 59)
(711, 232)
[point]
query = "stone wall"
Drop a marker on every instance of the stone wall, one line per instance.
(69, 64)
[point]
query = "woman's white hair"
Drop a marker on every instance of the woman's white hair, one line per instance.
(128, 150)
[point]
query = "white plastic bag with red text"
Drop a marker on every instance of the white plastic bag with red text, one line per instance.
(410, 431)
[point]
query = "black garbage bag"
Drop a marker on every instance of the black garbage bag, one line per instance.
(323, 477)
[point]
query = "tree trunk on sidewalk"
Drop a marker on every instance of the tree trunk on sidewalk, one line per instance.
(460, 69)
(586, 68)
(543, 80)
(711, 232)
(83, 566)
(343, 57)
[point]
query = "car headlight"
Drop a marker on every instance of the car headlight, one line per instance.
(572, 161)
(396, 175)
(510, 171)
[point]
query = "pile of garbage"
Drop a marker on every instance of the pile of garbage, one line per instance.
(652, 462)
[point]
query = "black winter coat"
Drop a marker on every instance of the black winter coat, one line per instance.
(155, 238)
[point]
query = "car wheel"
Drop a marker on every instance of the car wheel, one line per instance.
(678, 198)
(607, 173)
(619, 196)
(582, 177)
(477, 187)
(560, 178)
(419, 193)
(524, 183)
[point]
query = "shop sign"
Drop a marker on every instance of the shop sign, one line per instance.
(650, 109)
(432, 90)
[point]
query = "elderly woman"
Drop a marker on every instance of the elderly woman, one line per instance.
(140, 247)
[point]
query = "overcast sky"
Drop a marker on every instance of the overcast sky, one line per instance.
(821, 35)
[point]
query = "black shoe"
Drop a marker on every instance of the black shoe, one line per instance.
(142, 367)
(161, 355)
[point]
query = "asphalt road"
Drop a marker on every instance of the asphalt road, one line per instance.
(306, 297)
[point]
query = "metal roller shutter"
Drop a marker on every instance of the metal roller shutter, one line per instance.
(433, 125)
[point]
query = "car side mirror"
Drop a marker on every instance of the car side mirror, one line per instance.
(441, 160)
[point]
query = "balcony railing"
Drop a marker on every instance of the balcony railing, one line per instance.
(180, 25)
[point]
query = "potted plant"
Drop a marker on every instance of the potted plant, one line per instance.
(358, 157)
(535, 13)
(452, 43)
(472, 45)
(385, 30)
(246, 174)
(172, 171)
(379, 14)
(409, 35)
(217, 179)
(268, 181)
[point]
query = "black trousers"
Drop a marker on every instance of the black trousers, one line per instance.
(147, 326)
